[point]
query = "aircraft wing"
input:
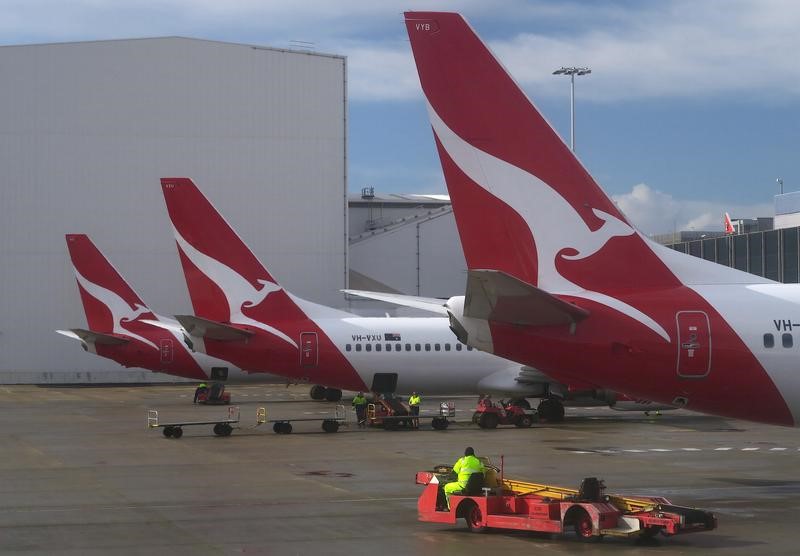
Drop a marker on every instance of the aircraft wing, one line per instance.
(497, 296)
(213, 330)
(432, 304)
(90, 337)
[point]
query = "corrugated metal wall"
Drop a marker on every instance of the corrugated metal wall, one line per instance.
(87, 130)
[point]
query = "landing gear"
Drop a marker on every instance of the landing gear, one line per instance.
(333, 394)
(319, 392)
(551, 409)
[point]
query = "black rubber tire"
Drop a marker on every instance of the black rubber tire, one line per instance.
(582, 523)
(333, 394)
(167, 432)
(551, 410)
(276, 428)
(488, 421)
(177, 432)
(329, 425)
(524, 421)
(286, 428)
(649, 533)
(227, 429)
(473, 515)
(317, 392)
(219, 429)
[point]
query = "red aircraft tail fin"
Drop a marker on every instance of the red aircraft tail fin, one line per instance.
(523, 202)
(108, 300)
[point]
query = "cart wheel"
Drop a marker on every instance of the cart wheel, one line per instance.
(226, 429)
(472, 513)
(329, 425)
(219, 429)
(583, 527)
(439, 423)
(524, 421)
(488, 421)
(167, 432)
(276, 428)
(177, 432)
(286, 428)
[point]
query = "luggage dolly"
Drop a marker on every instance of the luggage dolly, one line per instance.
(222, 427)
(329, 424)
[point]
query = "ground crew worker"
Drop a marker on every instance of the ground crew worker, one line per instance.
(465, 467)
(360, 405)
(202, 387)
(413, 402)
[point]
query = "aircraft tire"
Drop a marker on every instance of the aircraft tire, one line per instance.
(317, 392)
(333, 394)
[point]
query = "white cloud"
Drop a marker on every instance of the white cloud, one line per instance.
(636, 50)
(656, 212)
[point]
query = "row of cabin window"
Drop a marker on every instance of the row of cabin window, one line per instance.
(399, 347)
(786, 340)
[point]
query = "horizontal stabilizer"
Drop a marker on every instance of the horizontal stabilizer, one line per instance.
(97, 338)
(432, 304)
(213, 330)
(496, 296)
(165, 324)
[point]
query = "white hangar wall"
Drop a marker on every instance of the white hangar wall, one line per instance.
(406, 244)
(86, 131)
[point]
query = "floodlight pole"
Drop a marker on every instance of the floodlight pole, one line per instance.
(572, 72)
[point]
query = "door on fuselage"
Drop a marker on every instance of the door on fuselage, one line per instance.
(694, 344)
(309, 352)
(166, 350)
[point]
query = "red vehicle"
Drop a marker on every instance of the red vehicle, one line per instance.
(511, 504)
(488, 415)
(214, 395)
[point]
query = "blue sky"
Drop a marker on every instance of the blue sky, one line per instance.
(692, 109)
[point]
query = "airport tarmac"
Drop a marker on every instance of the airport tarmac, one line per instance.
(81, 474)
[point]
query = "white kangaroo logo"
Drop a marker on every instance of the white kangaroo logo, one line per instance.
(238, 291)
(121, 311)
(543, 210)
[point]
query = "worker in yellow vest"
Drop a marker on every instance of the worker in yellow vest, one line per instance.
(464, 467)
(413, 403)
(360, 405)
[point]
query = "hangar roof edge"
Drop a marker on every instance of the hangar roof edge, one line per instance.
(178, 37)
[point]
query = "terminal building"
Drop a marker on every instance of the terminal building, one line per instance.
(767, 247)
